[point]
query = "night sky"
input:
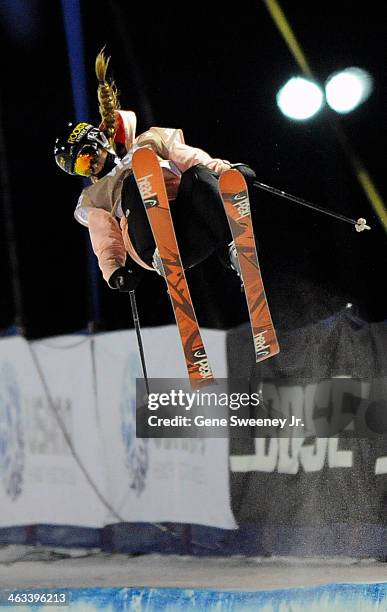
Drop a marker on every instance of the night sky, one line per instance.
(214, 74)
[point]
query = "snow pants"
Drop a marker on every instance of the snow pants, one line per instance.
(199, 219)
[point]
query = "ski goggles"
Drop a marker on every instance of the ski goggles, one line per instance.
(84, 160)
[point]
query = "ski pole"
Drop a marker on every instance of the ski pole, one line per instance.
(139, 340)
(360, 224)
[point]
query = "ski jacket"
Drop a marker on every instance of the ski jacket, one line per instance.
(99, 205)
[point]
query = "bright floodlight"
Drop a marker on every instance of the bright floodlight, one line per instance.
(299, 98)
(347, 89)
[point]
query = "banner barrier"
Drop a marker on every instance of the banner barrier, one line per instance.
(321, 494)
(84, 387)
(324, 491)
(157, 480)
(40, 479)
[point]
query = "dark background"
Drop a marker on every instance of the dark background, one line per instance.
(215, 74)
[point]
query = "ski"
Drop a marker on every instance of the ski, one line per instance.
(150, 181)
(234, 193)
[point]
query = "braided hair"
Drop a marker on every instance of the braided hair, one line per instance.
(107, 96)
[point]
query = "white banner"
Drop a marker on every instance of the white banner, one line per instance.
(40, 479)
(156, 480)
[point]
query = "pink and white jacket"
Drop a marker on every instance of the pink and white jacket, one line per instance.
(99, 205)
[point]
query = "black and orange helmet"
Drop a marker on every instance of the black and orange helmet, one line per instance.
(76, 149)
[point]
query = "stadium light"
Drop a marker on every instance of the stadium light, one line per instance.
(300, 98)
(347, 89)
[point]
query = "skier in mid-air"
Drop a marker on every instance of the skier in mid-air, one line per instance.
(210, 212)
(111, 207)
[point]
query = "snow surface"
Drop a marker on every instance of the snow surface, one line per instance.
(33, 567)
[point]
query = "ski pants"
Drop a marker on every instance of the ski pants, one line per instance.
(198, 215)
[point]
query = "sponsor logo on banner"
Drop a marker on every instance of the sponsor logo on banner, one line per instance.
(149, 197)
(334, 411)
(45, 436)
(137, 452)
(12, 457)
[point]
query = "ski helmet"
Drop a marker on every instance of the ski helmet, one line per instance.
(77, 148)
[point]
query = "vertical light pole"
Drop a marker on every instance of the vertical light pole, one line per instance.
(76, 59)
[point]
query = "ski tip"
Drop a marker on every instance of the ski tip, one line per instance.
(232, 180)
(144, 155)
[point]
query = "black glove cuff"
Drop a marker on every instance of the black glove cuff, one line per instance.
(247, 172)
(116, 278)
(124, 279)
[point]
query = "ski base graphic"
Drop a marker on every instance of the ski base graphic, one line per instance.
(150, 181)
(234, 193)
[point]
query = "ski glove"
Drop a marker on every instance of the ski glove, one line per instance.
(247, 172)
(124, 279)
